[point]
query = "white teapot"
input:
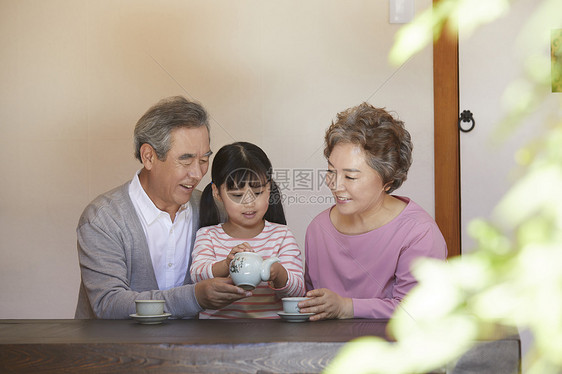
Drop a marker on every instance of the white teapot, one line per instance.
(248, 269)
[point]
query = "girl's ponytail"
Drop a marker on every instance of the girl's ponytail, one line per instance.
(208, 210)
(275, 212)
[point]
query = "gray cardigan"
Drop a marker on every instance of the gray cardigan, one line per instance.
(115, 261)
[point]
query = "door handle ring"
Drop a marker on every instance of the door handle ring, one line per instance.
(466, 116)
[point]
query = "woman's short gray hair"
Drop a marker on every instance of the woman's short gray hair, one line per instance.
(385, 141)
(156, 125)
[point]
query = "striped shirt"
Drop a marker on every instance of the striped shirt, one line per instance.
(213, 244)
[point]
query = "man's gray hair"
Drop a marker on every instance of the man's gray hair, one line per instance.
(156, 125)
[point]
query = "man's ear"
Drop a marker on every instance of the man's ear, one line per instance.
(148, 156)
(216, 194)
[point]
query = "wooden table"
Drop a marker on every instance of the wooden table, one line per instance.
(186, 346)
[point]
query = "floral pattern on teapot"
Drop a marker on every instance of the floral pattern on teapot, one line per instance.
(237, 264)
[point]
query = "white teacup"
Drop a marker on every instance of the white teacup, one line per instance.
(290, 304)
(248, 269)
(150, 307)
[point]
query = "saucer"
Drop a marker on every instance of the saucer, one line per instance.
(295, 317)
(150, 320)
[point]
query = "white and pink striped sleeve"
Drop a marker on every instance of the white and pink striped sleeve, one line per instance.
(291, 259)
(203, 256)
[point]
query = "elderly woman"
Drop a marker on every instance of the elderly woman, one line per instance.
(359, 252)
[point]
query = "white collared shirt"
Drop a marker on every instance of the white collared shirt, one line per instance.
(169, 243)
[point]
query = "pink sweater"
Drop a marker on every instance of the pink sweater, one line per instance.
(371, 268)
(213, 245)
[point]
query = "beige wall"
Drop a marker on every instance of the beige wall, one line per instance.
(76, 75)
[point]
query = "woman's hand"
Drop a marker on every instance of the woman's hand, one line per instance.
(326, 304)
(221, 268)
(278, 276)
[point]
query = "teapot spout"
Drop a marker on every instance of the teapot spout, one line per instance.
(266, 267)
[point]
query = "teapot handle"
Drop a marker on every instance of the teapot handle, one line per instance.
(266, 267)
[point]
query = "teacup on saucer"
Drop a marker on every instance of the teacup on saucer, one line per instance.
(150, 307)
(290, 304)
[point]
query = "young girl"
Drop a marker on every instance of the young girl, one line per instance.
(241, 180)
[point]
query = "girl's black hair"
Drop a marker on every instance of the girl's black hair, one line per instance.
(237, 164)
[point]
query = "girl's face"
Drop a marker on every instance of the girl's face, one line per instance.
(245, 206)
(357, 187)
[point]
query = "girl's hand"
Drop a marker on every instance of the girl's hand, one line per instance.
(221, 268)
(278, 276)
(326, 304)
(244, 247)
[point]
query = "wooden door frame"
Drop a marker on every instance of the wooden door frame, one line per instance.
(446, 140)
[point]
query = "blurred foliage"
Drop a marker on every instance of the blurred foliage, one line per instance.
(513, 277)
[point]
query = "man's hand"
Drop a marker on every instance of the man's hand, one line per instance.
(216, 293)
(327, 305)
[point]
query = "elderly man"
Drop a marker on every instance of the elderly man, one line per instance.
(135, 241)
